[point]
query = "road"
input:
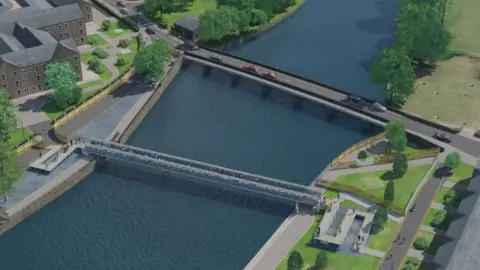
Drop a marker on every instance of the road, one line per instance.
(464, 144)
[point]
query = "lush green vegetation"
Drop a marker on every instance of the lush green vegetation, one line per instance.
(104, 73)
(18, 136)
(448, 196)
(383, 239)
(439, 219)
(462, 174)
(127, 58)
(63, 80)
(170, 11)
(412, 263)
(432, 241)
(330, 194)
(462, 20)
(52, 111)
(375, 183)
(114, 25)
(96, 40)
(421, 39)
(350, 204)
(336, 261)
(151, 59)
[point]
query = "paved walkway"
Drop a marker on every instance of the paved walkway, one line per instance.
(411, 224)
(420, 255)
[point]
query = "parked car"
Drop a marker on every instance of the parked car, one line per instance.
(443, 137)
(250, 68)
(354, 99)
(122, 4)
(270, 74)
(150, 30)
(216, 58)
(124, 11)
(378, 107)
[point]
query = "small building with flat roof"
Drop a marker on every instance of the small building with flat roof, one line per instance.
(186, 27)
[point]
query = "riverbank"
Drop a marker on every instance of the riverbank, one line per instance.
(80, 169)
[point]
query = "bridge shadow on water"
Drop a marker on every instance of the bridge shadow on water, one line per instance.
(287, 100)
(198, 188)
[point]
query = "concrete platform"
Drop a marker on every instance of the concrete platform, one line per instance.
(49, 161)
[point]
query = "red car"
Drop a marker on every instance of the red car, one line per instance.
(250, 68)
(122, 3)
(270, 74)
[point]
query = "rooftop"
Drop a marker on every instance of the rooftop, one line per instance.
(187, 22)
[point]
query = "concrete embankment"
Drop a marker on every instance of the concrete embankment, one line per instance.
(84, 166)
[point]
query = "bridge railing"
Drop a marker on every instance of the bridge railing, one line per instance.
(210, 167)
(155, 163)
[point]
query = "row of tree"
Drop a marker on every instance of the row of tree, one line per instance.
(421, 39)
(295, 261)
(165, 6)
(233, 17)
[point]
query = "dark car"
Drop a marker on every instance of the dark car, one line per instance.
(354, 98)
(443, 137)
(250, 68)
(216, 58)
(150, 30)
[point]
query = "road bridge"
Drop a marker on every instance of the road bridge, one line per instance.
(325, 95)
(209, 172)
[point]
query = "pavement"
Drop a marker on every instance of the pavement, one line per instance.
(411, 224)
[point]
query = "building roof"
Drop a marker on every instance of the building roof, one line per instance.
(39, 18)
(5, 5)
(187, 22)
(41, 4)
(460, 250)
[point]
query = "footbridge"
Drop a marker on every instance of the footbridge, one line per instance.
(204, 171)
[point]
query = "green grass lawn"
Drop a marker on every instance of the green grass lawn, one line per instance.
(118, 25)
(96, 40)
(104, 76)
(381, 241)
(421, 266)
(462, 20)
(336, 261)
(128, 57)
(330, 194)
(441, 193)
(197, 8)
(351, 204)
(462, 174)
(18, 136)
(432, 239)
(374, 183)
(429, 217)
(53, 112)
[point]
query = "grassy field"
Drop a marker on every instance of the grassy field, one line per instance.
(441, 193)
(197, 8)
(374, 183)
(432, 239)
(128, 57)
(53, 112)
(462, 174)
(452, 77)
(96, 40)
(330, 194)
(351, 204)
(336, 261)
(429, 217)
(382, 240)
(18, 136)
(118, 25)
(104, 76)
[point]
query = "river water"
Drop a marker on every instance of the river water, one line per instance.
(125, 218)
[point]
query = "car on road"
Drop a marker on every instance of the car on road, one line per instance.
(354, 99)
(124, 11)
(122, 4)
(378, 107)
(150, 30)
(216, 58)
(443, 137)
(270, 74)
(250, 68)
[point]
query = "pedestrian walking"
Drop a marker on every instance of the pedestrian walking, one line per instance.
(338, 195)
(353, 210)
(403, 240)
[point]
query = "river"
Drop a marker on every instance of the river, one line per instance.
(124, 218)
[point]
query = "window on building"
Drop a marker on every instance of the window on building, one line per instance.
(33, 88)
(66, 26)
(77, 68)
(23, 72)
(40, 87)
(87, 8)
(38, 77)
(81, 40)
(14, 74)
(30, 69)
(81, 31)
(24, 82)
(36, 68)
(74, 23)
(4, 78)
(25, 90)
(59, 28)
(80, 22)
(88, 16)
(74, 32)
(78, 78)
(17, 83)
(54, 28)
(4, 86)
(66, 35)
(18, 93)
(75, 59)
(61, 36)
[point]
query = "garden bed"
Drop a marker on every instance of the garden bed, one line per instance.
(382, 240)
(429, 218)
(442, 198)
(433, 241)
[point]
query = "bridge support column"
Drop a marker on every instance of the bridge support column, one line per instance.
(332, 114)
(296, 208)
(235, 80)
(297, 105)
(266, 91)
(207, 71)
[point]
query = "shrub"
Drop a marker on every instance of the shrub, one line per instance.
(123, 43)
(100, 53)
(450, 197)
(120, 62)
(380, 220)
(420, 243)
(362, 155)
(412, 264)
(439, 218)
(389, 194)
(92, 41)
(453, 160)
(94, 65)
(400, 165)
(106, 24)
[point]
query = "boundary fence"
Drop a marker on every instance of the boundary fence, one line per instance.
(368, 142)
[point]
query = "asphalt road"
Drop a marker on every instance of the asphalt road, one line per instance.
(464, 144)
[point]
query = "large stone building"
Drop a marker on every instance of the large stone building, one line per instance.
(34, 33)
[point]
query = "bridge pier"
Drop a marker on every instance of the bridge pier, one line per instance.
(207, 71)
(266, 91)
(296, 208)
(297, 105)
(332, 114)
(235, 80)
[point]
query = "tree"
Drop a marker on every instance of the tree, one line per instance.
(380, 220)
(396, 135)
(420, 243)
(238, 4)
(100, 53)
(452, 160)
(321, 261)
(393, 67)
(400, 165)
(389, 194)
(123, 43)
(362, 155)
(219, 23)
(120, 62)
(63, 80)
(106, 24)
(10, 170)
(151, 59)
(450, 197)
(258, 17)
(8, 119)
(94, 65)
(295, 261)
(438, 219)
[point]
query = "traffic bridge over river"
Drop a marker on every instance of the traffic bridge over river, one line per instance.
(330, 97)
(200, 170)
